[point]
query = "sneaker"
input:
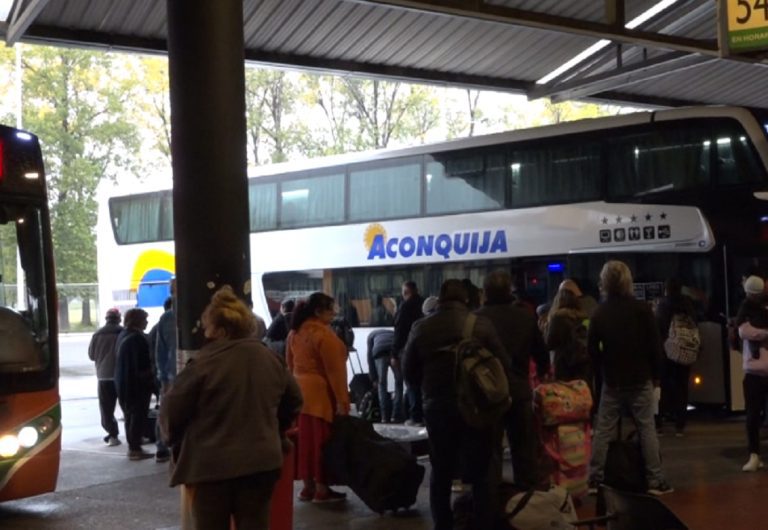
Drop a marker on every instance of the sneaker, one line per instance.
(162, 456)
(139, 454)
(662, 488)
(754, 463)
(592, 487)
(112, 441)
(411, 423)
(329, 496)
(306, 494)
(457, 486)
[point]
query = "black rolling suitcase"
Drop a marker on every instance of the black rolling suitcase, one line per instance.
(361, 382)
(389, 480)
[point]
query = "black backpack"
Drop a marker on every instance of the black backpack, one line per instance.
(481, 383)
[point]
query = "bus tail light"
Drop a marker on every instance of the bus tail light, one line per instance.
(697, 380)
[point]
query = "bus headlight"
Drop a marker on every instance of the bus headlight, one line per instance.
(28, 437)
(9, 445)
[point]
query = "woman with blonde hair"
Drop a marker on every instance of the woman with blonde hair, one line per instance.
(318, 359)
(224, 418)
(566, 336)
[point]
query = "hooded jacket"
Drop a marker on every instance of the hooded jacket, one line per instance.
(226, 411)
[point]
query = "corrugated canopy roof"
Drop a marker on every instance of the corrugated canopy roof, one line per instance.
(670, 59)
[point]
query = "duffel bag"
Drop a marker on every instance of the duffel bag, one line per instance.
(563, 401)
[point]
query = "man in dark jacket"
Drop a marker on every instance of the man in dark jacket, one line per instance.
(379, 364)
(134, 379)
(426, 365)
(408, 313)
(522, 341)
(624, 343)
(102, 350)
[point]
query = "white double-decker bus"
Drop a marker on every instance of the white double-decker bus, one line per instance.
(672, 193)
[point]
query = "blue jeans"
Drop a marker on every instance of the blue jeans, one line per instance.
(390, 410)
(639, 401)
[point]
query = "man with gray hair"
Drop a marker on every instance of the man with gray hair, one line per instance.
(625, 346)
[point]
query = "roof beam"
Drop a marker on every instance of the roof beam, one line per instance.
(620, 77)
(109, 41)
(400, 73)
(23, 17)
(479, 10)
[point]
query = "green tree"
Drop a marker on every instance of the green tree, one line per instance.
(423, 112)
(78, 103)
(275, 116)
(153, 93)
(325, 93)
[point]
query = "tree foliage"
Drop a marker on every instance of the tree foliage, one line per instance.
(78, 103)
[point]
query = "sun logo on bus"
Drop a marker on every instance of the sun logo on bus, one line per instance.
(371, 232)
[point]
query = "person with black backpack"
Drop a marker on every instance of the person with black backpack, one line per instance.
(519, 333)
(430, 362)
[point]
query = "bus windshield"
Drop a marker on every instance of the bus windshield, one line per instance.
(23, 317)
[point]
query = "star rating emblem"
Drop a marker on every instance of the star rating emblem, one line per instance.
(618, 219)
(648, 217)
(605, 220)
(634, 218)
(663, 215)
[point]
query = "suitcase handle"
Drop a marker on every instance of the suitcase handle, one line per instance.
(351, 364)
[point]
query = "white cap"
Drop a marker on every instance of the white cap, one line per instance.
(754, 285)
(429, 305)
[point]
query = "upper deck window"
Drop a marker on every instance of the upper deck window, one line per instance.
(312, 201)
(555, 172)
(466, 181)
(737, 160)
(669, 157)
(262, 205)
(142, 218)
(385, 190)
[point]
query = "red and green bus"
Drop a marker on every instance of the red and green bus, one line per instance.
(30, 410)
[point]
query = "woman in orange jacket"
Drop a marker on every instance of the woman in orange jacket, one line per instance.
(317, 358)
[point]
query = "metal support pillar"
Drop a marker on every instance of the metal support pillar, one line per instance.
(208, 147)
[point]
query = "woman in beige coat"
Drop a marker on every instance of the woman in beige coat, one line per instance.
(224, 419)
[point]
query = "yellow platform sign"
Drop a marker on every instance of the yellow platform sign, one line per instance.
(746, 24)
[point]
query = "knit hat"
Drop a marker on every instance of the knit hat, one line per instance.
(754, 285)
(113, 314)
(429, 305)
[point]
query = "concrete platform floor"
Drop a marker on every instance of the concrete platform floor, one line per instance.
(100, 489)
